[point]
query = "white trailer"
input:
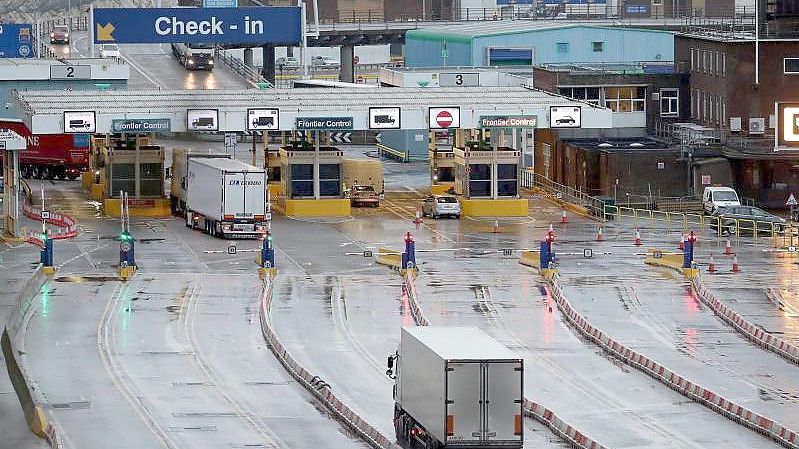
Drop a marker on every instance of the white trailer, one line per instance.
(178, 174)
(456, 387)
(226, 198)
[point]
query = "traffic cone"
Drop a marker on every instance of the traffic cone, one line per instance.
(735, 267)
(711, 268)
(728, 248)
(681, 246)
(496, 226)
(637, 237)
(599, 236)
(563, 217)
(418, 218)
(551, 229)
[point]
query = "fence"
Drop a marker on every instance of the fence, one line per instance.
(248, 72)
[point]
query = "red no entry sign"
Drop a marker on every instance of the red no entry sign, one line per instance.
(444, 119)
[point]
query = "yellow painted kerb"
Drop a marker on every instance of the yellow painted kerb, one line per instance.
(494, 208)
(530, 258)
(334, 207)
(161, 208)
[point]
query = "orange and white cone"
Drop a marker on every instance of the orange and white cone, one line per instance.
(637, 237)
(496, 226)
(418, 218)
(551, 229)
(682, 242)
(599, 236)
(728, 248)
(563, 217)
(735, 267)
(711, 268)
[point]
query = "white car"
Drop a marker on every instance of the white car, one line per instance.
(110, 51)
(288, 62)
(715, 197)
(440, 205)
(325, 62)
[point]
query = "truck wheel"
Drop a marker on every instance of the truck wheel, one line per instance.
(72, 177)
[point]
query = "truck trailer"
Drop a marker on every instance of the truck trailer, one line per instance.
(50, 156)
(224, 197)
(456, 387)
(177, 174)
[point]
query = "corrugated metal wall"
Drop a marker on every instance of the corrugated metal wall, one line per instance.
(620, 45)
(7, 109)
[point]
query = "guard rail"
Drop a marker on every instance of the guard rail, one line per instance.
(691, 390)
(314, 384)
(531, 409)
(244, 70)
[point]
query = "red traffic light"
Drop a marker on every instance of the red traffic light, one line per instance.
(408, 237)
(692, 237)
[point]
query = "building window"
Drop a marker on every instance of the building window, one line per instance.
(669, 102)
(693, 103)
(563, 47)
(693, 59)
(705, 98)
(507, 183)
(598, 46)
(718, 64)
(587, 94)
(706, 62)
(724, 65)
(479, 180)
(625, 99)
(791, 66)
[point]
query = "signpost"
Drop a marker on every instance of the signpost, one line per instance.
(791, 202)
(444, 118)
(276, 25)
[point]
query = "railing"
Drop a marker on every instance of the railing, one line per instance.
(248, 72)
(562, 192)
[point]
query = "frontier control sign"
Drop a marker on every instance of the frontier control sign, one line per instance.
(323, 123)
(278, 25)
(509, 121)
(145, 125)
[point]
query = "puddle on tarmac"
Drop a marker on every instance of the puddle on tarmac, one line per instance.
(81, 279)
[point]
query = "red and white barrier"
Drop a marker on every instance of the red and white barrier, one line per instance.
(695, 392)
(314, 384)
(58, 219)
(531, 409)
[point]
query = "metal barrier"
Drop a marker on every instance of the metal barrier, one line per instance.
(595, 206)
(247, 72)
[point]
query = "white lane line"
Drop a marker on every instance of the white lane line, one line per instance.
(141, 72)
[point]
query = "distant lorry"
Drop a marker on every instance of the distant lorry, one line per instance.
(50, 156)
(223, 197)
(194, 56)
(456, 387)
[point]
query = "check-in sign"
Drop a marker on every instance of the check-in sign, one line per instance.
(278, 25)
(509, 121)
(323, 123)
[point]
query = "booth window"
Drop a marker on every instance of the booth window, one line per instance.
(329, 179)
(479, 180)
(301, 180)
(507, 179)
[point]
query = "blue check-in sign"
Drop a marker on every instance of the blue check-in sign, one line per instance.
(278, 25)
(220, 3)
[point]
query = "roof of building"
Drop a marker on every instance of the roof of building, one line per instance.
(470, 30)
(596, 68)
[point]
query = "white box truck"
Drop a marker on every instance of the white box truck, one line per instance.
(178, 172)
(226, 197)
(456, 387)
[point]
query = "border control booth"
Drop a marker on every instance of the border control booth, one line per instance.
(490, 130)
(11, 144)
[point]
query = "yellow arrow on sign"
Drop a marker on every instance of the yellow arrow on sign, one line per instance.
(104, 32)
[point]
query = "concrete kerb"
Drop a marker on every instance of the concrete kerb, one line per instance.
(314, 384)
(34, 414)
(531, 409)
(691, 390)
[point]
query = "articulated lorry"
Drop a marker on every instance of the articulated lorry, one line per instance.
(222, 196)
(50, 156)
(194, 56)
(456, 387)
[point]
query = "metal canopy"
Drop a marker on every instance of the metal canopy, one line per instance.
(43, 110)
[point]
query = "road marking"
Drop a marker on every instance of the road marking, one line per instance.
(141, 72)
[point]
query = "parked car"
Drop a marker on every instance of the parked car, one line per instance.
(747, 218)
(324, 62)
(287, 62)
(362, 195)
(59, 35)
(715, 197)
(440, 205)
(110, 51)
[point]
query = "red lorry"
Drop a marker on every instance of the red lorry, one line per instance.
(50, 156)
